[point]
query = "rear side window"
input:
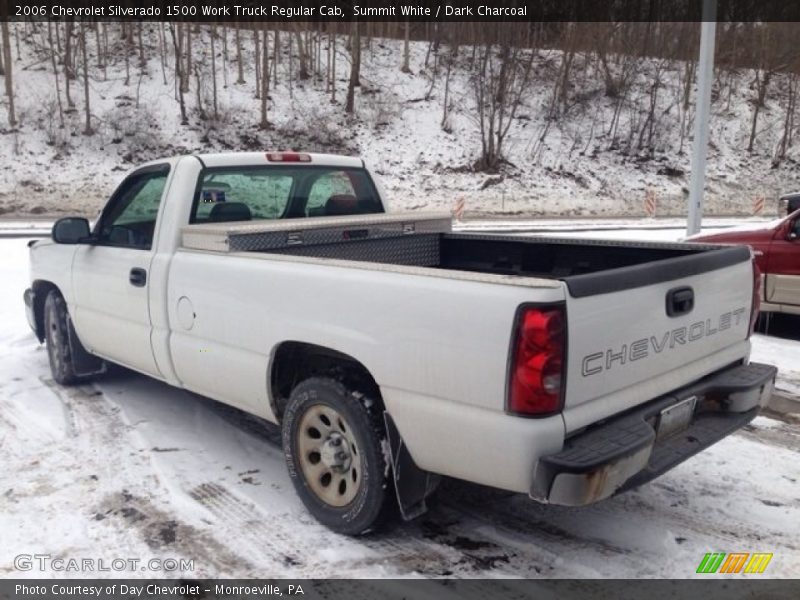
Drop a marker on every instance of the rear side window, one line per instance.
(282, 192)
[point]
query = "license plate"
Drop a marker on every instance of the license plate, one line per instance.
(676, 417)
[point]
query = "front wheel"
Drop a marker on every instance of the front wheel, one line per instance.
(57, 339)
(333, 441)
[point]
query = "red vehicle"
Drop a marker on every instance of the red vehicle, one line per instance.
(777, 249)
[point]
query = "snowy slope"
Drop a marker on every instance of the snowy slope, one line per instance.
(576, 170)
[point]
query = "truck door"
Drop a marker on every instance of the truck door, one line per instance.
(783, 267)
(110, 276)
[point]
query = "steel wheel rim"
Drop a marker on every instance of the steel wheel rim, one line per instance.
(329, 456)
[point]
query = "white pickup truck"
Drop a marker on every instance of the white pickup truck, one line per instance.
(393, 351)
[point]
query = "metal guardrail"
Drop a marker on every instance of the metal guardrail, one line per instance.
(18, 228)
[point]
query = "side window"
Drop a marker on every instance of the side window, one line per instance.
(130, 219)
(327, 186)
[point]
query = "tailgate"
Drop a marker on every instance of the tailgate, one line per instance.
(625, 349)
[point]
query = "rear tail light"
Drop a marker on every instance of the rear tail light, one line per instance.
(288, 157)
(756, 306)
(536, 372)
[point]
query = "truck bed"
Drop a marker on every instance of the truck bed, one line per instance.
(588, 267)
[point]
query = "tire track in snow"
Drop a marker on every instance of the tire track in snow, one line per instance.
(294, 546)
(163, 532)
(97, 426)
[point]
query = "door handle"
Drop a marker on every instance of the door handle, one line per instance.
(138, 277)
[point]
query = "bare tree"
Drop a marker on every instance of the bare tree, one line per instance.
(199, 99)
(58, 40)
(99, 45)
(616, 77)
(224, 56)
(126, 39)
(318, 46)
(762, 78)
(651, 122)
(68, 74)
(276, 54)
(105, 51)
(332, 46)
(9, 73)
(355, 68)
(88, 129)
(264, 76)
(19, 47)
(434, 75)
(445, 124)
(775, 51)
(499, 80)
(55, 72)
(142, 60)
(257, 58)
(187, 72)
(239, 60)
(178, 74)
(689, 70)
(328, 65)
(788, 120)
(406, 50)
(214, 71)
(302, 53)
(162, 46)
(567, 58)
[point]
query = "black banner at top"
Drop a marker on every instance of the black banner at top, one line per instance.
(282, 11)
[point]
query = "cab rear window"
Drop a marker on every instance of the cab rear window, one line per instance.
(282, 192)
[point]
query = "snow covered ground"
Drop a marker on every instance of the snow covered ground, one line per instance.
(131, 468)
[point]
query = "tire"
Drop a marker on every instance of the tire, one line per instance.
(56, 331)
(333, 441)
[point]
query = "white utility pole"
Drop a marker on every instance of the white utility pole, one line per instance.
(705, 75)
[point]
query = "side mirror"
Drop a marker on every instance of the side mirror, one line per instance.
(71, 230)
(794, 230)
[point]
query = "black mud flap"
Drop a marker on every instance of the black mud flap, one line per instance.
(84, 364)
(412, 484)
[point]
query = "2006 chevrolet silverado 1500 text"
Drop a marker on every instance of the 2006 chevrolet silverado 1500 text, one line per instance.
(391, 350)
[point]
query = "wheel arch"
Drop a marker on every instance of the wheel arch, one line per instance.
(294, 361)
(41, 288)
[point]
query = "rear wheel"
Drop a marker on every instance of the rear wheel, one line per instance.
(57, 339)
(333, 441)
